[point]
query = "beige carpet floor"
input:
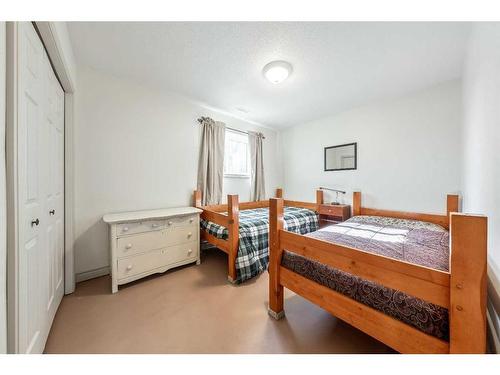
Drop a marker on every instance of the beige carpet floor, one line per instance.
(193, 309)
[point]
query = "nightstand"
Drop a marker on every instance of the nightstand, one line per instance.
(335, 212)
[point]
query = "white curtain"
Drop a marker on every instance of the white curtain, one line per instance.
(255, 141)
(211, 162)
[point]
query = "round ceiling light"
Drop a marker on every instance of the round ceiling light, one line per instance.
(277, 71)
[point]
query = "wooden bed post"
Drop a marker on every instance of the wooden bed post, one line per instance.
(275, 308)
(233, 229)
(197, 198)
(468, 234)
(451, 206)
(319, 197)
(279, 193)
(356, 203)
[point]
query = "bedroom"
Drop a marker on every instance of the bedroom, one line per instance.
(250, 187)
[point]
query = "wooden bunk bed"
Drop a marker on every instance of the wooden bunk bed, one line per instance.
(461, 292)
(227, 215)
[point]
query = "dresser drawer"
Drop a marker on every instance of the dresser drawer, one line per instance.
(342, 211)
(331, 210)
(182, 221)
(139, 227)
(151, 260)
(138, 264)
(182, 252)
(183, 234)
(141, 242)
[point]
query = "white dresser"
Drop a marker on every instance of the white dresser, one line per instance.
(147, 242)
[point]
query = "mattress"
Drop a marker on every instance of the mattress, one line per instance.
(253, 250)
(417, 242)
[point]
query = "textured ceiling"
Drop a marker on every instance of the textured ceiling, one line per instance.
(336, 65)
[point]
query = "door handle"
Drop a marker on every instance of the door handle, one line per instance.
(52, 212)
(35, 222)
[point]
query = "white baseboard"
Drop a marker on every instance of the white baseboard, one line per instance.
(493, 339)
(493, 308)
(92, 274)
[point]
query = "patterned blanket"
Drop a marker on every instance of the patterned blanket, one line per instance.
(253, 252)
(412, 241)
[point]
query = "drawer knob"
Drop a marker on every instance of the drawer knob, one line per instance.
(169, 223)
(191, 220)
(190, 234)
(190, 251)
(125, 229)
(129, 246)
(154, 225)
(129, 267)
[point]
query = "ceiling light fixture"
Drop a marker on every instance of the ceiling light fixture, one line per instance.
(277, 71)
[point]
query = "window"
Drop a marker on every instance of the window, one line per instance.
(236, 155)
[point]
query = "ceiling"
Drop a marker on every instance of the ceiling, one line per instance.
(336, 65)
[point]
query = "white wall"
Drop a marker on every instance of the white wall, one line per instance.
(481, 168)
(481, 174)
(3, 228)
(408, 152)
(137, 148)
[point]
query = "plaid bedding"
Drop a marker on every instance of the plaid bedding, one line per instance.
(253, 251)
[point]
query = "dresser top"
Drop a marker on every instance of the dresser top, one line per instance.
(163, 213)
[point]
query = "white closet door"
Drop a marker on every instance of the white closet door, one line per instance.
(40, 197)
(3, 194)
(31, 236)
(54, 191)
